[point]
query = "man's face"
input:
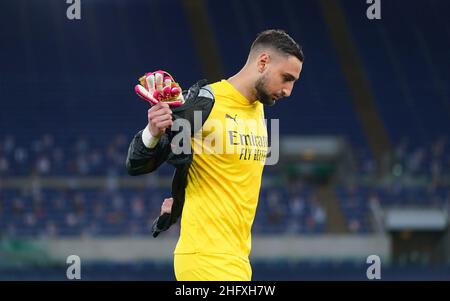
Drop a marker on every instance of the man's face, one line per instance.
(278, 79)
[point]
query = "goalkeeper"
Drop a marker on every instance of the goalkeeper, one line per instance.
(215, 192)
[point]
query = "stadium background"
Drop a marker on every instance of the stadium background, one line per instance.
(365, 161)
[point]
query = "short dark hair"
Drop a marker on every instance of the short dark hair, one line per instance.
(279, 40)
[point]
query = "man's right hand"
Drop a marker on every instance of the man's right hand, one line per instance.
(159, 119)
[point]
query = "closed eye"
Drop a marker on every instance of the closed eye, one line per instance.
(289, 77)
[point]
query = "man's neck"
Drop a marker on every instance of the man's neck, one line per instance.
(241, 82)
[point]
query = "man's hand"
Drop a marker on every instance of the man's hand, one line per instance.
(159, 118)
(159, 86)
(166, 206)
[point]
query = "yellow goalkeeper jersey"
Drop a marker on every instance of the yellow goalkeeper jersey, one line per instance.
(224, 179)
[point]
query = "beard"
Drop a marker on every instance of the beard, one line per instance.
(261, 91)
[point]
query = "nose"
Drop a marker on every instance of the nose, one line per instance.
(286, 91)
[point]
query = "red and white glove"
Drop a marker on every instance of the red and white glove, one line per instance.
(159, 86)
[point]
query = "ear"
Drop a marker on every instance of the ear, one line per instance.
(262, 62)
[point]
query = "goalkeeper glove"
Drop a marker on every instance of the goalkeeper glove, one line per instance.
(159, 86)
